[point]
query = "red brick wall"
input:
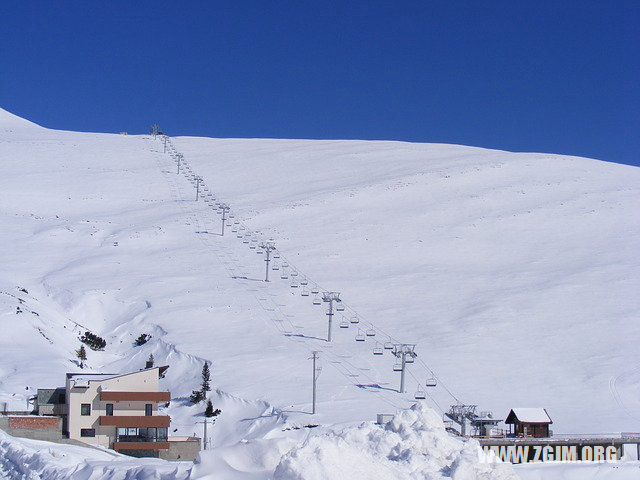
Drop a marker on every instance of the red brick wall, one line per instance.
(34, 422)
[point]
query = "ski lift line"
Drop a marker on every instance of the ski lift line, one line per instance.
(344, 306)
(426, 391)
(440, 382)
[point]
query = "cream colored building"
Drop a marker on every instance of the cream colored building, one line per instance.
(118, 411)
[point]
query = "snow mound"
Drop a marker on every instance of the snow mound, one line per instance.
(413, 445)
(32, 459)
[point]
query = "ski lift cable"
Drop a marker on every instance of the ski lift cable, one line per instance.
(318, 286)
(426, 392)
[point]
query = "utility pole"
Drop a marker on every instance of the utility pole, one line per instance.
(198, 180)
(225, 208)
(179, 156)
(205, 422)
(268, 247)
(316, 374)
(402, 351)
(330, 297)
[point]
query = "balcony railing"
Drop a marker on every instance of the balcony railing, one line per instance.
(118, 446)
(137, 421)
(135, 396)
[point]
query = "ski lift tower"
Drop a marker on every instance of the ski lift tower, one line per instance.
(405, 352)
(460, 414)
(268, 247)
(155, 128)
(330, 298)
(224, 209)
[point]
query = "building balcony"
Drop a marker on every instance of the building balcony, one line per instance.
(117, 446)
(137, 421)
(135, 396)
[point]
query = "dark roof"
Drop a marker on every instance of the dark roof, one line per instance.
(50, 396)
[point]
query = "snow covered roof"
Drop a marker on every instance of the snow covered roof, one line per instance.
(528, 415)
(83, 379)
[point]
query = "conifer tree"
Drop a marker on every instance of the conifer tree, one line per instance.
(206, 377)
(81, 353)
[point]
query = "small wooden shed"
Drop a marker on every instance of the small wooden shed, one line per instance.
(529, 422)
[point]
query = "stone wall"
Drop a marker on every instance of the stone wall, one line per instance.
(185, 450)
(33, 427)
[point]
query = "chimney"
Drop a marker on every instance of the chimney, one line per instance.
(149, 364)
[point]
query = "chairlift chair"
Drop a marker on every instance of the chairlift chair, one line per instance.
(397, 367)
(355, 319)
(305, 292)
(294, 284)
(378, 350)
(317, 301)
(359, 337)
(388, 346)
(304, 281)
(409, 359)
(344, 324)
(315, 290)
(340, 307)
(285, 264)
(431, 382)
(420, 395)
(276, 254)
(275, 267)
(371, 332)
(294, 273)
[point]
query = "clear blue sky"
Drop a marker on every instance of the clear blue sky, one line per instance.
(549, 76)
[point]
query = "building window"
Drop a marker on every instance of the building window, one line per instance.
(85, 409)
(62, 398)
(141, 434)
(87, 432)
(109, 409)
(148, 409)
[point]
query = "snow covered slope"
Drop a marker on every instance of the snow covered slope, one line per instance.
(515, 275)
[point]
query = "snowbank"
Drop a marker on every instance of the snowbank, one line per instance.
(413, 445)
(31, 459)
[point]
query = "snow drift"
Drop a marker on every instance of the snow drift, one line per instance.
(414, 445)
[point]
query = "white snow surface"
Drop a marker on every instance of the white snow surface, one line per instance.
(516, 275)
(413, 445)
(533, 415)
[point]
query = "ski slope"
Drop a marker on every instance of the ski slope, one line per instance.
(514, 274)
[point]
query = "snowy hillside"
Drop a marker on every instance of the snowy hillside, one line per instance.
(515, 274)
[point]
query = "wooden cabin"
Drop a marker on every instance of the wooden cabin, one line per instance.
(529, 422)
